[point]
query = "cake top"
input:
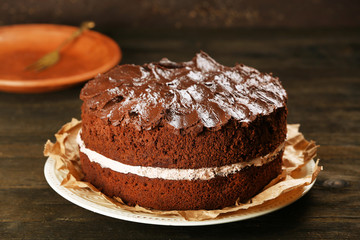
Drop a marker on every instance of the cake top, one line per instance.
(198, 93)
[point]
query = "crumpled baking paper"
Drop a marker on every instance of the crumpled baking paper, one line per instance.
(294, 177)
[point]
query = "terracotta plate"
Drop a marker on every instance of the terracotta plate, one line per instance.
(84, 58)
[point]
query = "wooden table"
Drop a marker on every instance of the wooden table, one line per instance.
(320, 71)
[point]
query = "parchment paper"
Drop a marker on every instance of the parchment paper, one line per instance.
(294, 177)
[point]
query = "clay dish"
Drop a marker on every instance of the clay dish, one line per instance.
(84, 58)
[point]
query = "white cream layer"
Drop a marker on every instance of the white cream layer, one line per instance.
(173, 173)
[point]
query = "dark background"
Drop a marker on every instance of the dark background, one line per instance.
(185, 13)
(314, 48)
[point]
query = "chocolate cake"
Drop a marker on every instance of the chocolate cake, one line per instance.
(179, 136)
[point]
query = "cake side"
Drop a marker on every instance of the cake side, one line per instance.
(162, 147)
(162, 194)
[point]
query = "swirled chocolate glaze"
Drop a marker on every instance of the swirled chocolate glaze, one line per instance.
(199, 93)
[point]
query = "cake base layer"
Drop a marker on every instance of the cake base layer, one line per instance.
(163, 194)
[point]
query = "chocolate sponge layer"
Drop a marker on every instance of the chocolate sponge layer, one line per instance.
(162, 194)
(165, 147)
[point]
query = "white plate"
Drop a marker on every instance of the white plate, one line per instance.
(93, 202)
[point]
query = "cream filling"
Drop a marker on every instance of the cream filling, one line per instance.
(174, 173)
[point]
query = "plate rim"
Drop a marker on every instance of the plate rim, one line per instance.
(28, 84)
(50, 176)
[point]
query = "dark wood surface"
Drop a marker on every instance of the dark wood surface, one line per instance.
(185, 13)
(320, 71)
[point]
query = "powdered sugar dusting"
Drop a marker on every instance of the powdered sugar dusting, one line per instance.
(196, 76)
(114, 91)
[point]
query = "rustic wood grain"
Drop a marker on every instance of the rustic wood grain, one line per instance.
(185, 13)
(320, 71)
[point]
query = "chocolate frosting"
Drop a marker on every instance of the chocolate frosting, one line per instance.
(186, 95)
